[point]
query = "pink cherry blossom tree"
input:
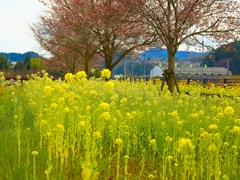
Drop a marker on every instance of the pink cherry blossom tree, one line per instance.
(178, 22)
(87, 27)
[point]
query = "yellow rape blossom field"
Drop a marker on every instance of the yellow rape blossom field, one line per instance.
(88, 129)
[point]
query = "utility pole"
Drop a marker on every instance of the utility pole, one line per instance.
(228, 67)
(144, 65)
(202, 58)
(125, 68)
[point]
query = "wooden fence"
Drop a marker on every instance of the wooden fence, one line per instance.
(205, 82)
(157, 80)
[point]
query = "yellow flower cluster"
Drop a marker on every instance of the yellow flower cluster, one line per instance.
(213, 127)
(60, 127)
(104, 106)
(35, 153)
(129, 116)
(236, 129)
(82, 123)
(68, 77)
(123, 100)
(114, 97)
(81, 75)
(194, 115)
(151, 176)
(105, 73)
(43, 122)
(109, 86)
(219, 115)
(105, 115)
(179, 123)
(93, 92)
(97, 134)
(228, 111)
(152, 141)
(118, 141)
(185, 142)
(212, 147)
(48, 90)
(169, 158)
(53, 106)
(174, 113)
(168, 139)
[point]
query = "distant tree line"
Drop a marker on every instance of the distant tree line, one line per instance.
(227, 55)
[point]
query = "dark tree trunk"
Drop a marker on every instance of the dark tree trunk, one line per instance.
(171, 54)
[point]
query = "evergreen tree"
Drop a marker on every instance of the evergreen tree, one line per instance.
(4, 63)
(27, 61)
(20, 66)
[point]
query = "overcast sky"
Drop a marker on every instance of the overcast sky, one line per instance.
(15, 17)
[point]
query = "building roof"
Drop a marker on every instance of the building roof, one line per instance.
(198, 69)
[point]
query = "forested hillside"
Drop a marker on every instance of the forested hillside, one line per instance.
(18, 56)
(229, 53)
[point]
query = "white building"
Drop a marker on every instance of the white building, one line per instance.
(193, 72)
(156, 72)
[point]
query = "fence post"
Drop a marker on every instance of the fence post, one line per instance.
(224, 82)
(204, 82)
(188, 80)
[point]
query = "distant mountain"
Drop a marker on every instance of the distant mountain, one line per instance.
(159, 52)
(18, 56)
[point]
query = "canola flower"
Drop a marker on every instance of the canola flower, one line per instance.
(194, 115)
(236, 130)
(212, 148)
(114, 97)
(138, 115)
(174, 113)
(229, 111)
(82, 123)
(93, 93)
(53, 106)
(225, 177)
(219, 115)
(118, 141)
(60, 127)
(69, 77)
(151, 176)
(226, 144)
(123, 100)
(48, 90)
(169, 158)
(105, 115)
(179, 123)
(153, 141)
(86, 173)
(109, 85)
(34, 153)
(43, 122)
(105, 73)
(66, 109)
(104, 106)
(97, 134)
(213, 127)
(185, 142)
(81, 75)
(169, 139)
(63, 87)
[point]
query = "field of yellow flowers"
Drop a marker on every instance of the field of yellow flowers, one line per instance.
(88, 129)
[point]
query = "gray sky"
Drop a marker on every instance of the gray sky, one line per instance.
(15, 34)
(15, 17)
